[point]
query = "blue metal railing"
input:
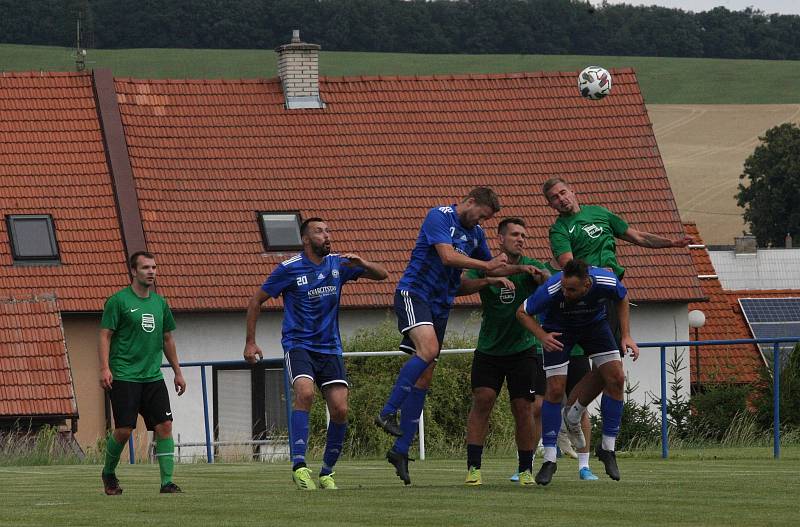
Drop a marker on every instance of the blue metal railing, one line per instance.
(661, 345)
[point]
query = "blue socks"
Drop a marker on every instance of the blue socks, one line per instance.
(551, 423)
(611, 411)
(409, 373)
(409, 418)
(333, 446)
(299, 438)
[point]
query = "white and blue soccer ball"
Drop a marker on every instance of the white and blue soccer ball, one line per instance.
(594, 82)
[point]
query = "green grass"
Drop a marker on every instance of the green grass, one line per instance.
(700, 487)
(663, 80)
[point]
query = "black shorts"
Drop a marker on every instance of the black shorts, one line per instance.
(150, 399)
(518, 370)
(411, 312)
(579, 366)
(322, 368)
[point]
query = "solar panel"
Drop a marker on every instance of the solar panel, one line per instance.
(773, 318)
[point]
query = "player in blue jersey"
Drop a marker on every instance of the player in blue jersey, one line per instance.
(449, 241)
(572, 309)
(311, 284)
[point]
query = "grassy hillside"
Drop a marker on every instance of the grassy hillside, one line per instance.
(663, 80)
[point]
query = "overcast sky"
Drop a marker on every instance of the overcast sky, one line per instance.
(786, 7)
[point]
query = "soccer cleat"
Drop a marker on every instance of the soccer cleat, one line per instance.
(565, 444)
(526, 478)
(400, 462)
(473, 477)
(170, 488)
(545, 473)
(586, 474)
(326, 482)
(389, 424)
(514, 477)
(111, 484)
(302, 478)
(609, 459)
(574, 431)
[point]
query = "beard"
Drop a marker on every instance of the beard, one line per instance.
(321, 250)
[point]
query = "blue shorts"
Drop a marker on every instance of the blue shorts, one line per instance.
(596, 340)
(412, 312)
(322, 368)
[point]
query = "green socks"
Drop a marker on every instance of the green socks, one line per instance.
(113, 451)
(165, 449)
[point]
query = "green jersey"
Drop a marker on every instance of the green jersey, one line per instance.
(589, 235)
(500, 333)
(137, 344)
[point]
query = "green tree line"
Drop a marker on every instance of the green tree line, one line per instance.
(416, 26)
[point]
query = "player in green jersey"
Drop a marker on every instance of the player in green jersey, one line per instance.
(135, 333)
(505, 351)
(589, 233)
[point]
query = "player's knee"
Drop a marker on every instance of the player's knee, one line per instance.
(338, 413)
(615, 381)
(121, 435)
(521, 407)
(164, 429)
(303, 399)
(482, 403)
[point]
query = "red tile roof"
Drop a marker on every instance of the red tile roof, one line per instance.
(206, 155)
(35, 377)
(724, 321)
(52, 161)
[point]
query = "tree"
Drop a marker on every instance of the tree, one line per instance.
(771, 198)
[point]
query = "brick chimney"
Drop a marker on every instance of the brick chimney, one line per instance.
(298, 69)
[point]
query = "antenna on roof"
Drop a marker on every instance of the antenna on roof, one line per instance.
(80, 51)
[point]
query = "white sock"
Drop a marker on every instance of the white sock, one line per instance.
(583, 460)
(575, 412)
(550, 453)
(609, 443)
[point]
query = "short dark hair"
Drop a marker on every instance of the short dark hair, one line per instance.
(134, 259)
(485, 196)
(576, 268)
(304, 225)
(552, 182)
(501, 229)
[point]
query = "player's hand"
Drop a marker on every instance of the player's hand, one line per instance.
(501, 281)
(498, 262)
(629, 345)
(551, 343)
(252, 353)
(539, 275)
(106, 378)
(683, 241)
(180, 384)
(352, 260)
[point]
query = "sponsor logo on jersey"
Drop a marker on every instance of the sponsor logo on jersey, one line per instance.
(148, 322)
(325, 290)
(593, 231)
(571, 229)
(446, 210)
(507, 295)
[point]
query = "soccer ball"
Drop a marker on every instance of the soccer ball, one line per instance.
(594, 82)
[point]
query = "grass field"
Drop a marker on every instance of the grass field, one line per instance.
(710, 487)
(663, 80)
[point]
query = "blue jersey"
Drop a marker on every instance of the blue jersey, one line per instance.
(556, 314)
(311, 296)
(426, 276)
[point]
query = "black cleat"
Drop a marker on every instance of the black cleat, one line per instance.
(545, 473)
(170, 488)
(389, 424)
(111, 484)
(400, 462)
(609, 459)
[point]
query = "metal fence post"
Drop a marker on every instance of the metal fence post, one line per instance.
(776, 401)
(131, 454)
(209, 451)
(664, 437)
(287, 393)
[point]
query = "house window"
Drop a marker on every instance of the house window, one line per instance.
(33, 238)
(280, 231)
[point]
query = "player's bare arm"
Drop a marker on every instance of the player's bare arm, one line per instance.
(654, 241)
(473, 285)
(103, 347)
(252, 353)
(548, 340)
(451, 258)
(372, 270)
(624, 314)
(171, 353)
